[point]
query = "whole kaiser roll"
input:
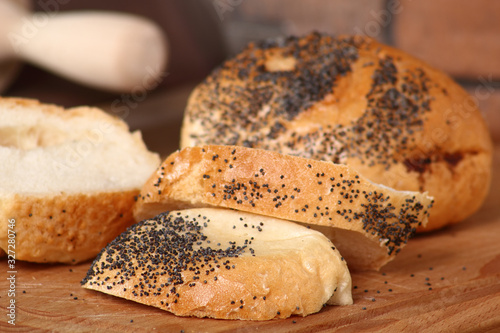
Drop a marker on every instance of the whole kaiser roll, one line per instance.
(354, 101)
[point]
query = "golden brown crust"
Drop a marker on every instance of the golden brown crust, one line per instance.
(223, 264)
(67, 228)
(354, 101)
(292, 188)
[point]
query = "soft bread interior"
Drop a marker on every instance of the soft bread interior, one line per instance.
(220, 263)
(73, 151)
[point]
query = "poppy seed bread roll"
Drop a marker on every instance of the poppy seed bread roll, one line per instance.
(68, 179)
(354, 101)
(219, 263)
(368, 223)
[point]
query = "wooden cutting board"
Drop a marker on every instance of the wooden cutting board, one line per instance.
(445, 281)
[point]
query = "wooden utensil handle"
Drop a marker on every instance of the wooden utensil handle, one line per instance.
(112, 51)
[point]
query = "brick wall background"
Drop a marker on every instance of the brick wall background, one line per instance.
(461, 37)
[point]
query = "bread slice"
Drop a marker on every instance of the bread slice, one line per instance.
(220, 263)
(368, 223)
(68, 179)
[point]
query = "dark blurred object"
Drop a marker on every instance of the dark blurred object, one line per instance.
(196, 46)
(258, 19)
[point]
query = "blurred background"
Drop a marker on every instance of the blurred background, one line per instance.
(461, 37)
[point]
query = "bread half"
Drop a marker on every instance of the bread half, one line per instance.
(220, 263)
(68, 179)
(368, 223)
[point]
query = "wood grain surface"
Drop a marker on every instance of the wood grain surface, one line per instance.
(445, 281)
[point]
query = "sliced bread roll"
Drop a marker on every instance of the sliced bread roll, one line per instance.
(368, 223)
(351, 100)
(68, 179)
(220, 263)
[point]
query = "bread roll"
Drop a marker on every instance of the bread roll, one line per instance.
(368, 223)
(219, 263)
(354, 101)
(68, 179)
